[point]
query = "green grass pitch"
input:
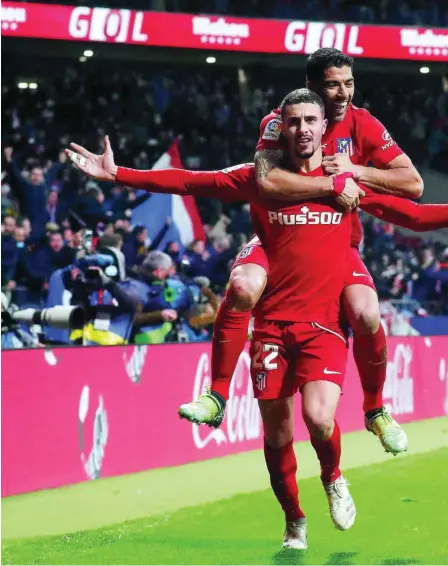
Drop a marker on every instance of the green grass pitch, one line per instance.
(402, 518)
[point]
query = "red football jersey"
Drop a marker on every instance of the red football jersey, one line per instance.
(359, 134)
(307, 245)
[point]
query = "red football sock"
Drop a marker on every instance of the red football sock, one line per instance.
(282, 468)
(229, 339)
(370, 353)
(329, 454)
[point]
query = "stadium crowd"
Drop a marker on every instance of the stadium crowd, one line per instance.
(216, 118)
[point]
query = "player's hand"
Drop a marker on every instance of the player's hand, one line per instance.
(350, 196)
(169, 314)
(340, 163)
(100, 167)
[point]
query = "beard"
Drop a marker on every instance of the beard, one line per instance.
(305, 154)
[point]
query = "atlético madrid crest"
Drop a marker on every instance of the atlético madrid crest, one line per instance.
(260, 380)
(344, 145)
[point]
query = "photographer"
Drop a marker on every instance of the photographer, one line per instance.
(168, 303)
(96, 282)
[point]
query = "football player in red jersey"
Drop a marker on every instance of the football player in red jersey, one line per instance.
(352, 140)
(297, 336)
(298, 343)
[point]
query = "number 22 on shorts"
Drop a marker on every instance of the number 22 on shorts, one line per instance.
(265, 362)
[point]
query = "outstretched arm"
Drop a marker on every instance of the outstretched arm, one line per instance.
(405, 213)
(233, 184)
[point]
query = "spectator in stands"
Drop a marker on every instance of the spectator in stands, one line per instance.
(54, 208)
(42, 259)
(135, 246)
(25, 223)
(8, 225)
(424, 282)
(10, 255)
(197, 256)
(33, 188)
(173, 250)
(90, 206)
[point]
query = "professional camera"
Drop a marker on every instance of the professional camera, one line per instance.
(90, 276)
(61, 317)
(57, 317)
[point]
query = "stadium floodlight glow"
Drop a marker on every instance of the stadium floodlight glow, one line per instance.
(210, 60)
(82, 59)
(23, 85)
(88, 53)
(424, 70)
(33, 86)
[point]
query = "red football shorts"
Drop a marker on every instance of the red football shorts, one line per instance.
(287, 355)
(357, 272)
(253, 252)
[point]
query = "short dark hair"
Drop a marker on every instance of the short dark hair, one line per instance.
(299, 96)
(323, 59)
(110, 240)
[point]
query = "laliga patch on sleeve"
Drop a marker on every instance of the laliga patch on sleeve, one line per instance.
(273, 130)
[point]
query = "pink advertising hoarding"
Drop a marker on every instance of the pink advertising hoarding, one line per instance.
(228, 33)
(74, 414)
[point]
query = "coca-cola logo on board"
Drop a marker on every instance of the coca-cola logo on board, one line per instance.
(242, 421)
(93, 431)
(135, 363)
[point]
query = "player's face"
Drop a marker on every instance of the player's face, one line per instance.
(303, 126)
(337, 89)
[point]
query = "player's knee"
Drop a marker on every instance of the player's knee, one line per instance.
(246, 289)
(368, 320)
(278, 439)
(365, 315)
(320, 422)
(279, 434)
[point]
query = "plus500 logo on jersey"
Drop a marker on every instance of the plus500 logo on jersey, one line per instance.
(306, 217)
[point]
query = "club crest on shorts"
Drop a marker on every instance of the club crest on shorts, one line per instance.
(245, 252)
(260, 380)
(344, 145)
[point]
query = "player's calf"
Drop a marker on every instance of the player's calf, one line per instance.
(282, 467)
(370, 353)
(246, 284)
